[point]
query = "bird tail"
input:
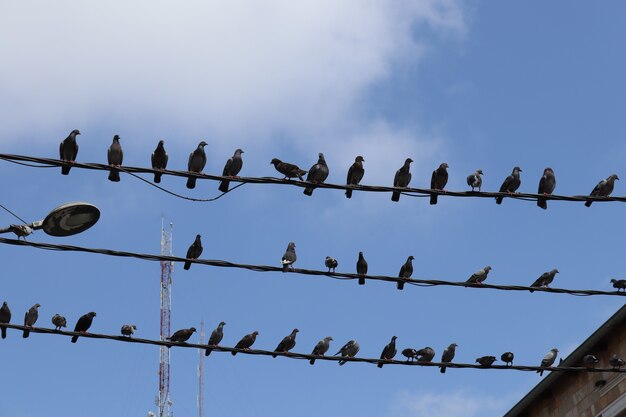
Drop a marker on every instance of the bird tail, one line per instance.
(65, 169)
(348, 193)
(157, 177)
(191, 182)
(308, 191)
(4, 332)
(395, 196)
(312, 361)
(114, 175)
(380, 364)
(433, 199)
(273, 356)
(499, 200)
(588, 203)
(207, 352)
(74, 339)
(361, 281)
(234, 353)
(442, 369)
(400, 285)
(342, 362)
(224, 186)
(285, 267)
(26, 333)
(187, 266)
(542, 202)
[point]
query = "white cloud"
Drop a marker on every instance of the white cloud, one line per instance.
(451, 404)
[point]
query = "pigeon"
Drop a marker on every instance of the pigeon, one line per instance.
(115, 156)
(389, 351)
(182, 335)
(479, 276)
(5, 317)
(128, 330)
(59, 321)
(510, 184)
(603, 189)
(546, 187)
(68, 150)
(355, 174)
(616, 361)
(425, 355)
(30, 318)
(349, 350)
(447, 356)
(548, 360)
(287, 343)
(620, 284)
(405, 271)
(289, 258)
(331, 263)
(194, 252)
(475, 180)
(410, 354)
(317, 174)
(231, 169)
(507, 357)
(438, 181)
(590, 361)
(288, 170)
(321, 348)
(196, 163)
(246, 342)
(216, 337)
(402, 178)
(486, 360)
(361, 268)
(83, 324)
(159, 160)
(21, 230)
(545, 279)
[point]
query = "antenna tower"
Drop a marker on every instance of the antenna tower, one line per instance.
(164, 401)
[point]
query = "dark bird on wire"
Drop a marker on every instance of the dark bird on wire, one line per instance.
(389, 351)
(216, 337)
(590, 361)
(406, 271)
(68, 150)
(287, 343)
(447, 356)
(616, 361)
(603, 189)
(620, 284)
(59, 321)
(507, 358)
(289, 258)
(128, 330)
(475, 180)
(402, 178)
(479, 276)
(349, 350)
(246, 342)
(331, 263)
(231, 169)
(83, 324)
(159, 160)
(21, 230)
(410, 354)
(425, 355)
(182, 335)
(317, 174)
(194, 252)
(288, 170)
(5, 317)
(196, 163)
(355, 174)
(321, 348)
(547, 183)
(438, 181)
(361, 268)
(510, 184)
(545, 279)
(486, 360)
(30, 318)
(548, 360)
(115, 156)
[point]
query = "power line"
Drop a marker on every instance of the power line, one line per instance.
(334, 275)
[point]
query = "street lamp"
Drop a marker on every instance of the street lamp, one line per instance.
(66, 220)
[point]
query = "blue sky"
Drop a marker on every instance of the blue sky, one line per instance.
(476, 84)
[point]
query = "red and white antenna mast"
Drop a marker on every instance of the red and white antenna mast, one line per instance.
(164, 401)
(201, 373)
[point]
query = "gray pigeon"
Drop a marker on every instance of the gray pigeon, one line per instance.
(544, 280)
(486, 361)
(231, 169)
(216, 337)
(389, 351)
(447, 356)
(620, 284)
(288, 170)
(115, 156)
(68, 150)
(21, 230)
(321, 348)
(603, 189)
(507, 358)
(402, 178)
(246, 342)
(317, 174)
(546, 187)
(287, 343)
(59, 321)
(194, 252)
(196, 163)
(128, 330)
(182, 335)
(349, 350)
(426, 354)
(289, 258)
(355, 174)
(361, 268)
(548, 360)
(83, 324)
(590, 361)
(410, 354)
(616, 361)
(479, 276)
(159, 160)
(331, 263)
(30, 318)
(438, 181)
(5, 317)
(510, 184)
(475, 180)
(405, 271)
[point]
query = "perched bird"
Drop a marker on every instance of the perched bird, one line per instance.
(620, 284)
(317, 174)
(159, 160)
(603, 189)
(5, 317)
(30, 318)
(288, 170)
(331, 263)
(545, 279)
(83, 324)
(128, 330)
(196, 163)
(590, 361)
(447, 356)
(546, 187)
(246, 342)
(438, 181)
(406, 271)
(402, 178)
(410, 354)
(216, 337)
(321, 348)
(182, 335)
(194, 251)
(507, 357)
(21, 230)
(289, 258)
(389, 351)
(287, 343)
(486, 360)
(361, 268)
(349, 350)
(59, 321)
(510, 184)
(426, 354)
(115, 156)
(615, 361)
(475, 180)
(231, 169)
(479, 276)
(548, 360)
(355, 174)
(68, 150)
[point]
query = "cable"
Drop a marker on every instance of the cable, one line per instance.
(334, 275)
(14, 215)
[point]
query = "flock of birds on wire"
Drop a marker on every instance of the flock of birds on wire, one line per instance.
(68, 151)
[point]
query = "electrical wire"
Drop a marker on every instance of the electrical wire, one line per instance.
(14, 215)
